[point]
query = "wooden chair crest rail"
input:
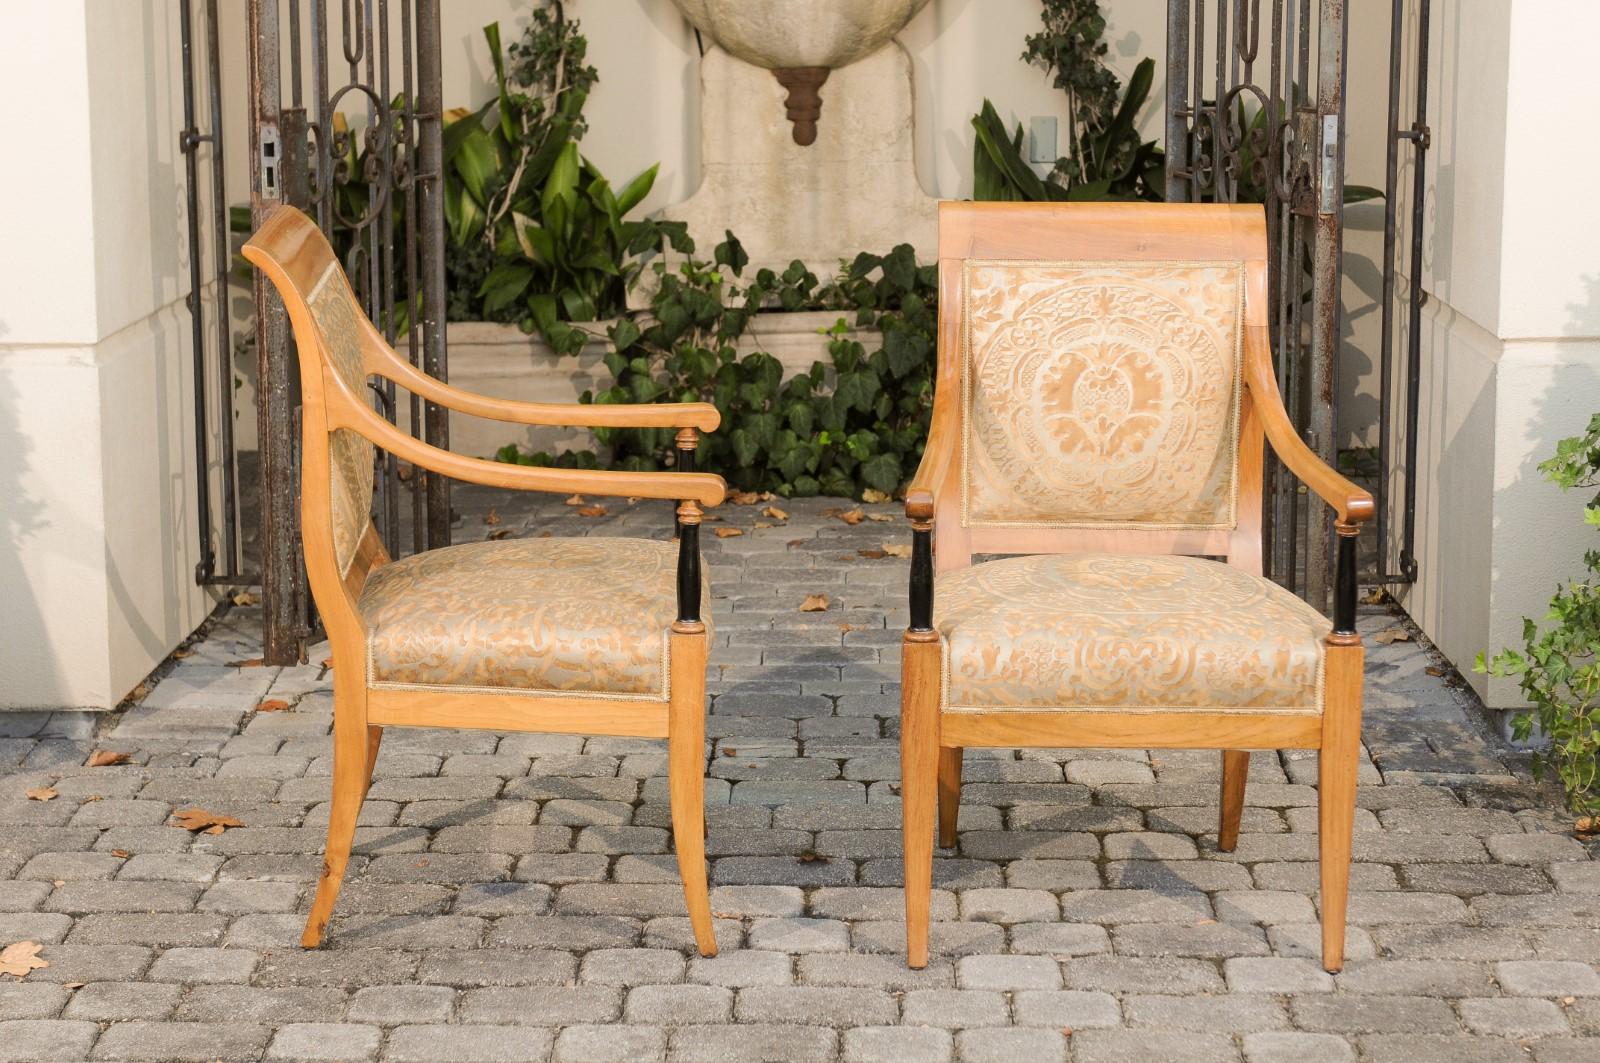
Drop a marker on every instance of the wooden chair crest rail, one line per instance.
(575, 636)
(1105, 391)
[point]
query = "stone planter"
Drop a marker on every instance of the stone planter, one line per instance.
(502, 361)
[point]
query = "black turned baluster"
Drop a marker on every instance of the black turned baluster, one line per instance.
(921, 576)
(1344, 581)
(689, 563)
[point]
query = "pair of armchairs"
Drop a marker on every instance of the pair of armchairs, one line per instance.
(1104, 392)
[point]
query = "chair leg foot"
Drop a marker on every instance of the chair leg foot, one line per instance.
(686, 772)
(351, 778)
(1235, 770)
(919, 779)
(949, 794)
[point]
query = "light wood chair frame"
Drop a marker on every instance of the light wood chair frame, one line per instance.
(931, 741)
(290, 250)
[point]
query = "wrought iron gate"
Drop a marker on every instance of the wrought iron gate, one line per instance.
(376, 191)
(1251, 117)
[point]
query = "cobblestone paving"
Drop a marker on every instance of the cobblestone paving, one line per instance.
(514, 897)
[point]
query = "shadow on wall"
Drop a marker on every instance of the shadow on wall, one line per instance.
(21, 519)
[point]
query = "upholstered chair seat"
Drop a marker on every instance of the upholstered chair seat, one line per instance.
(586, 617)
(1113, 632)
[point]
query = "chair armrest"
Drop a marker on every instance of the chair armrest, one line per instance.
(923, 491)
(381, 360)
(344, 411)
(1351, 503)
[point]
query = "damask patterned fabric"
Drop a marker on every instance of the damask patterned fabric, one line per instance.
(1085, 632)
(534, 616)
(1098, 394)
(333, 306)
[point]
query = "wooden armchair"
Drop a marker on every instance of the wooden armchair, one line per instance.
(578, 636)
(1104, 386)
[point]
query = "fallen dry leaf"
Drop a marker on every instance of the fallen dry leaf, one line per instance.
(814, 603)
(121, 854)
(760, 524)
(105, 757)
(881, 518)
(41, 793)
(272, 705)
(249, 662)
(576, 500)
(492, 518)
(1375, 596)
(792, 543)
(728, 533)
(182, 653)
(1392, 634)
(245, 598)
(744, 498)
(73, 985)
(20, 957)
(198, 819)
(92, 798)
(1433, 670)
(1587, 826)
(775, 513)
(592, 511)
(811, 856)
(730, 752)
(872, 494)
(897, 549)
(498, 534)
(327, 662)
(872, 552)
(853, 516)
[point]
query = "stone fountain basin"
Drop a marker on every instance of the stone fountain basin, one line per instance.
(784, 34)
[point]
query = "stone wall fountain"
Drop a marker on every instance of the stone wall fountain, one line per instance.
(806, 131)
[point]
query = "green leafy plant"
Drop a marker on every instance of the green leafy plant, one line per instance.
(1071, 46)
(538, 235)
(1558, 667)
(1110, 161)
(853, 424)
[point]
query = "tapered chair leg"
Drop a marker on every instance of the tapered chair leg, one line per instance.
(351, 777)
(919, 778)
(1235, 771)
(1338, 762)
(949, 794)
(374, 743)
(686, 777)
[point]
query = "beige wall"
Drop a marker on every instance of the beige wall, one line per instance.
(97, 526)
(1511, 329)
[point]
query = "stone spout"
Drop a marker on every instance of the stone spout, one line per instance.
(803, 105)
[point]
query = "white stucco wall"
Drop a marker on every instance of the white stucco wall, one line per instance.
(97, 543)
(1511, 329)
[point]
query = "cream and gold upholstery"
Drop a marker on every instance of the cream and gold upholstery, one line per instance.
(1101, 394)
(586, 617)
(333, 307)
(1113, 632)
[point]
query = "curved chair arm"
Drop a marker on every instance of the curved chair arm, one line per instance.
(923, 491)
(1351, 503)
(381, 360)
(706, 489)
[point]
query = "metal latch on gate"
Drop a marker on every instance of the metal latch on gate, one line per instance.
(271, 162)
(1328, 202)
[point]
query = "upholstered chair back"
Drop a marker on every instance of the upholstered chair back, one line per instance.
(334, 309)
(1095, 364)
(1101, 393)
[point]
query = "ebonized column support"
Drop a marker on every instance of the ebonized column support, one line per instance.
(921, 577)
(689, 580)
(1344, 585)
